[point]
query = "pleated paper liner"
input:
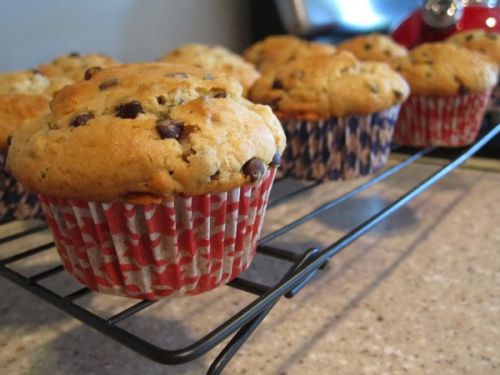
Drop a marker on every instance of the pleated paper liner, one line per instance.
(184, 246)
(15, 202)
(494, 103)
(338, 148)
(441, 121)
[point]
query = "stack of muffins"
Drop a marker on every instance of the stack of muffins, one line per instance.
(154, 177)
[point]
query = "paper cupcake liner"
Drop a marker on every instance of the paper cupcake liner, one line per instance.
(15, 202)
(338, 148)
(494, 103)
(441, 121)
(184, 246)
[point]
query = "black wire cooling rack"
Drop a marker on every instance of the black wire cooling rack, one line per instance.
(240, 326)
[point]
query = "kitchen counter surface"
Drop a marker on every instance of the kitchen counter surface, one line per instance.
(419, 294)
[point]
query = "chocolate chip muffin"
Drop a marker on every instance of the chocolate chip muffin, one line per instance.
(216, 59)
(483, 41)
(487, 43)
(276, 50)
(24, 96)
(450, 87)
(75, 65)
(373, 47)
(166, 169)
(338, 113)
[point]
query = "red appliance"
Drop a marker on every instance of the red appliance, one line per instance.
(414, 30)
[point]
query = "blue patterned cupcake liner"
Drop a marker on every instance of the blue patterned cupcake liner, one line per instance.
(15, 202)
(338, 148)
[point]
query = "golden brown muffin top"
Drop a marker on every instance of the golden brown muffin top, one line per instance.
(216, 59)
(143, 132)
(373, 47)
(75, 65)
(276, 50)
(445, 69)
(24, 95)
(330, 86)
(486, 42)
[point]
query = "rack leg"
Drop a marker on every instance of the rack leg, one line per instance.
(236, 342)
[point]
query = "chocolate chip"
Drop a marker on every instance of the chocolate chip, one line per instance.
(81, 119)
(90, 72)
(428, 62)
(215, 176)
(278, 84)
(276, 161)
(161, 99)
(274, 104)
(168, 129)
(463, 90)
(254, 169)
(344, 69)
(492, 36)
(469, 37)
(398, 94)
(367, 46)
(129, 110)
(108, 83)
(74, 54)
(9, 140)
(177, 75)
(399, 68)
(36, 71)
(218, 93)
(208, 77)
(387, 52)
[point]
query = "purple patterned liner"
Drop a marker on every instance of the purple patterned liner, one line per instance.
(338, 148)
(15, 202)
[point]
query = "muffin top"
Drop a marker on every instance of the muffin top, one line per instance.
(445, 69)
(486, 42)
(74, 65)
(373, 47)
(330, 86)
(24, 95)
(216, 59)
(142, 132)
(276, 50)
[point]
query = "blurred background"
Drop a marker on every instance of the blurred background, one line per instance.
(34, 31)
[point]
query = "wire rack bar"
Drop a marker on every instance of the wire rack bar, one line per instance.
(27, 253)
(318, 211)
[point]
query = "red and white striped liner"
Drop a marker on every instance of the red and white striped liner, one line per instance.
(184, 246)
(441, 121)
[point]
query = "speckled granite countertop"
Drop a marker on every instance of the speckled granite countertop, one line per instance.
(419, 294)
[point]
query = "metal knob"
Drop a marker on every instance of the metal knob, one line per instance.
(441, 14)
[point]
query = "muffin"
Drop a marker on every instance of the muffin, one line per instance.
(373, 47)
(75, 65)
(24, 95)
(216, 59)
(153, 178)
(276, 50)
(450, 87)
(487, 43)
(338, 114)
